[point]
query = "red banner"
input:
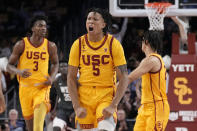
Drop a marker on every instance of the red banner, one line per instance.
(182, 89)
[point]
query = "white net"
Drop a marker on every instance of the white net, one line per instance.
(156, 13)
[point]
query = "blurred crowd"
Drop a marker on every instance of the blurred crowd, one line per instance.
(65, 25)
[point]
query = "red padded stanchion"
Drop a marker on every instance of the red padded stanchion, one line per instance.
(182, 90)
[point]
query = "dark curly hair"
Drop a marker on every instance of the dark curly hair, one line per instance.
(34, 20)
(37, 18)
(154, 38)
(106, 16)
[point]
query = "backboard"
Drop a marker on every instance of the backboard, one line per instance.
(135, 8)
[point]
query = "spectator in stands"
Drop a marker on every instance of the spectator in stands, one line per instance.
(122, 124)
(138, 93)
(4, 127)
(117, 32)
(14, 123)
(183, 28)
(131, 65)
(3, 63)
(5, 50)
(167, 62)
(126, 102)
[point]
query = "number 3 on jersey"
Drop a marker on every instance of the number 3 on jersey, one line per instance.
(36, 66)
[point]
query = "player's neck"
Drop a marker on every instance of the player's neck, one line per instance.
(36, 40)
(95, 37)
(149, 51)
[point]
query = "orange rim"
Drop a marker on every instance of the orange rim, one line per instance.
(158, 4)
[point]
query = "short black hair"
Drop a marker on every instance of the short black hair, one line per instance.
(37, 18)
(154, 38)
(106, 16)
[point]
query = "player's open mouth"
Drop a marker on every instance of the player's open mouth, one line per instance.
(90, 28)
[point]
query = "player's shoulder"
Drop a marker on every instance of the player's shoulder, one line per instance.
(82, 37)
(153, 59)
(109, 35)
(20, 44)
(78, 40)
(51, 44)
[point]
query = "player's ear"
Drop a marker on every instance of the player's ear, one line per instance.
(104, 25)
(32, 28)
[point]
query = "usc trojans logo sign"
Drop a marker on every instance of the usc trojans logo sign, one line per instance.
(181, 90)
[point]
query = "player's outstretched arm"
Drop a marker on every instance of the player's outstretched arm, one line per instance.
(182, 28)
(146, 65)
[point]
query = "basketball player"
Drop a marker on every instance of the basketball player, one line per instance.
(33, 54)
(154, 113)
(98, 56)
(2, 99)
(64, 105)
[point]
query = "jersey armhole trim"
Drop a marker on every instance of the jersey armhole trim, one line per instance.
(160, 66)
(110, 46)
(79, 49)
(23, 46)
(48, 46)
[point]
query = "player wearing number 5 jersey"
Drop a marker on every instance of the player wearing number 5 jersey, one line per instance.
(33, 54)
(98, 56)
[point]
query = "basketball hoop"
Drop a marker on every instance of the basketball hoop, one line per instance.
(156, 12)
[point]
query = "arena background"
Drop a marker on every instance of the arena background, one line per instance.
(67, 23)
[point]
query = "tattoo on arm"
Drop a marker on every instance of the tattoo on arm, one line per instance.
(123, 68)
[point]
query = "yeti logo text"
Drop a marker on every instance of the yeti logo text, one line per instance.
(181, 129)
(180, 83)
(183, 67)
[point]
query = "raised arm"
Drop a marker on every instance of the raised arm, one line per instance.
(182, 28)
(124, 27)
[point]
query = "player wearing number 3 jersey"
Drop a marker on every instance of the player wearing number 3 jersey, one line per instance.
(32, 54)
(98, 56)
